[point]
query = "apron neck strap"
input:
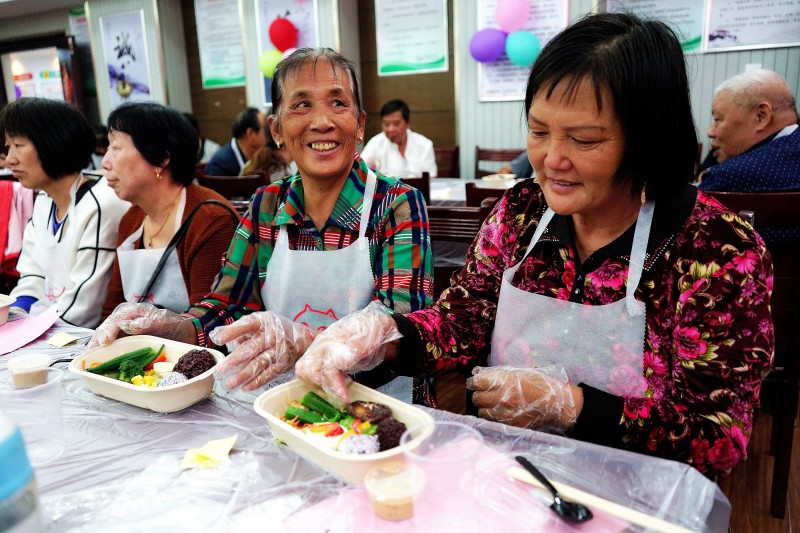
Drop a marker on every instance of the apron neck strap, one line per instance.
(366, 203)
(543, 222)
(638, 250)
(638, 254)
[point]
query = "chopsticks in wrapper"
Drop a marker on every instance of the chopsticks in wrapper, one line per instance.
(601, 504)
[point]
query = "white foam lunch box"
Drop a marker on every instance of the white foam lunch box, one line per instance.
(159, 399)
(351, 468)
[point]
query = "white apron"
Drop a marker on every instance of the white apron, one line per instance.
(53, 256)
(318, 288)
(136, 266)
(600, 345)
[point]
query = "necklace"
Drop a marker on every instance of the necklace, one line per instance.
(166, 219)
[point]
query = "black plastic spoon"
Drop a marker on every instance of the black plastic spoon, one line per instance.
(574, 512)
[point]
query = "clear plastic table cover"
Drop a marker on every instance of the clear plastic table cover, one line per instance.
(121, 470)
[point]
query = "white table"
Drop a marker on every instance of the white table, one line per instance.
(121, 469)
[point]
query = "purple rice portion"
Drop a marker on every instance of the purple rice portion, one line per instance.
(194, 362)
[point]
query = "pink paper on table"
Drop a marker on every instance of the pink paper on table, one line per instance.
(17, 333)
(498, 503)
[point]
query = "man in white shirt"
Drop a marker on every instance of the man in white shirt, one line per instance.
(398, 151)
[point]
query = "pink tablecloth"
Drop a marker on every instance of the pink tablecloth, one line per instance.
(497, 503)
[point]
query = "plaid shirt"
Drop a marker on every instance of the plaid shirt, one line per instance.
(400, 249)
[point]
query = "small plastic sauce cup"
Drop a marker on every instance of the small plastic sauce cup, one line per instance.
(392, 488)
(28, 370)
(5, 306)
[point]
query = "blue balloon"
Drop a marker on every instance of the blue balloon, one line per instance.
(487, 45)
(522, 47)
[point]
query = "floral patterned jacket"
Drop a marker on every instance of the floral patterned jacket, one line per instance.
(706, 285)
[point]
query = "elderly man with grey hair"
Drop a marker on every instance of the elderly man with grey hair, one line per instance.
(756, 140)
(754, 135)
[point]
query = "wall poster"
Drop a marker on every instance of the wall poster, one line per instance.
(33, 73)
(411, 36)
(219, 39)
(502, 79)
(125, 56)
(301, 13)
(686, 17)
(748, 24)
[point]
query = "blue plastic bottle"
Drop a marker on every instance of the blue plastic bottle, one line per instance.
(19, 505)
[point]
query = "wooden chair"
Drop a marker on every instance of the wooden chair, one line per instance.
(199, 170)
(236, 189)
(447, 162)
(422, 184)
(454, 224)
(769, 210)
(476, 195)
(502, 155)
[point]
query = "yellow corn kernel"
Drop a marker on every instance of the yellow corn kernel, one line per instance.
(149, 372)
(149, 380)
(137, 380)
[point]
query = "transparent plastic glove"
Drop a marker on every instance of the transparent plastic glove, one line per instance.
(270, 345)
(524, 397)
(355, 343)
(141, 319)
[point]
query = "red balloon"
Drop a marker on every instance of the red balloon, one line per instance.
(283, 34)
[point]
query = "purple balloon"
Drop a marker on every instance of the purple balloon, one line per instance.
(17, 91)
(487, 45)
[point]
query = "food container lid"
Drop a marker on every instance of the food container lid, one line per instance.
(29, 362)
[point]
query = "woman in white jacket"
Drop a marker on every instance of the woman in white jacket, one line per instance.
(69, 244)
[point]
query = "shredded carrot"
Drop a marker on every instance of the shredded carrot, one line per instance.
(96, 363)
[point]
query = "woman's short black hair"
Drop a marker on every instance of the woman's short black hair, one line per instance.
(159, 133)
(63, 138)
(641, 64)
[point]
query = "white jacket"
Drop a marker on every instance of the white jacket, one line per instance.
(92, 236)
(384, 154)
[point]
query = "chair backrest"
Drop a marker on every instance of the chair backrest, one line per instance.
(422, 184)
(447, 162)
(199, 169)
(236, 189)
(503, 155)
(476, 195)
(454, 224)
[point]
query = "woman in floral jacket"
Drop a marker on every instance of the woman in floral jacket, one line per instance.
(613, 300)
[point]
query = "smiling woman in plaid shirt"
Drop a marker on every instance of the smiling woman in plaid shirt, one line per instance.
(313, 247)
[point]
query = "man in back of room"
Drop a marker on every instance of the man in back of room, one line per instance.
(756, 139)
(248, 136)
(398, 151)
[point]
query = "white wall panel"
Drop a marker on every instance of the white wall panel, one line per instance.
(173, 48)
(56, 21)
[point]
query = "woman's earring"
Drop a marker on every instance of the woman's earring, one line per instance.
(158, 173)
(360, 139)
(279, 145)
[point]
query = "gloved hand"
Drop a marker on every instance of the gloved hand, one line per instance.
(269, 346)
(525, 397)
(143, 319)
(355, 343)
